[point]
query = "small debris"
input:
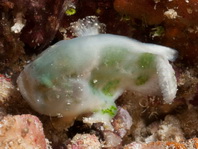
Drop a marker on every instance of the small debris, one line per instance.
(171, 14)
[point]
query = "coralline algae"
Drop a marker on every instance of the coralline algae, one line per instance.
(87, 74)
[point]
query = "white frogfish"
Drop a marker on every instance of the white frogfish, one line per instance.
(88, 73)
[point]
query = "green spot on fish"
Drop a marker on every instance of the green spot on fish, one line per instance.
(46, 81)
(111, 111)
(114, 56)
(142, 79)
(146, 60)
(110, 87)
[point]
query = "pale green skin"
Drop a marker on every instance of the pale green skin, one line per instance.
(87, 74)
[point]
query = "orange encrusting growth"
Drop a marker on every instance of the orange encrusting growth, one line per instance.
(178, 18)
(140, 9)
(195, 142)
(147, 10)
(192, 143)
